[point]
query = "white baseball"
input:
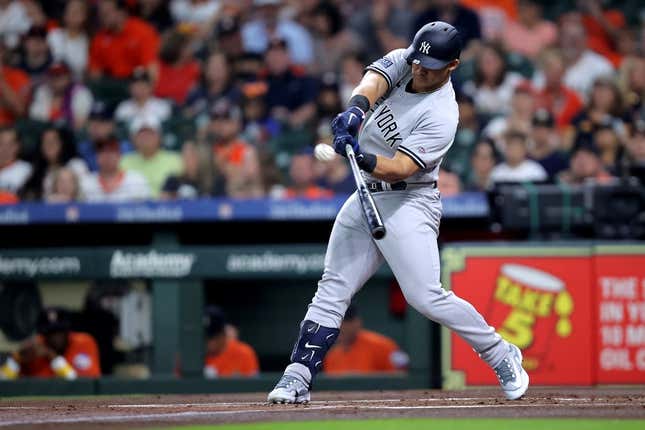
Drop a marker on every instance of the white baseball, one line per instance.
(324, 152)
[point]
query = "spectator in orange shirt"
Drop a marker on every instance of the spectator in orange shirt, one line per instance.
(226, 355)
(57, 351)
(122, 43)
(303, 177)
(603, 28)
(530, 33)
(14, 91)
(554, 96)
(360, 351)
(235, 161)
(178, 71)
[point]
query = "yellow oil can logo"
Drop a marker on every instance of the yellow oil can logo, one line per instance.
(528, 308)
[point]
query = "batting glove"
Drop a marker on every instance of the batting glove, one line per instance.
(349, 121)
(340, 140)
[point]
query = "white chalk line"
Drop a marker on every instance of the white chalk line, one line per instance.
(278, 408)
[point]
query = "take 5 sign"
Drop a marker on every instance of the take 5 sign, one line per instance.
(576, 312)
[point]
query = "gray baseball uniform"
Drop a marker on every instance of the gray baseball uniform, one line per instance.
(423, 127)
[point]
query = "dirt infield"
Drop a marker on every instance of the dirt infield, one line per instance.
(145, 411)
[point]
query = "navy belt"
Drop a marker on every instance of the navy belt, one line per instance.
(377, 187)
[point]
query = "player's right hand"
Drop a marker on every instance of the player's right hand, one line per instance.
(348, 122)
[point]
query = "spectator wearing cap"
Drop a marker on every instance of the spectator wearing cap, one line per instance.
(57, 150)
(195, 181)
(149, 159)
(331, 39)
(14, 91)
(69, 43)
(178, 71)
(517, 167)
(57, 351)
(582, 66)
(111, 183)
(259, 126)
(235, 162)
(585, 165)
(382, 26)
(122, 44)
(493, 84)
(14, 173)
(36, 57)
(100, 126)
(228, 34)
(142, 102)
(359, 351)
(465, 20)
(302, 178)
(482, 162)
(60, 99)
(65, 187)
(257, 33)
(545, 144)
(552, 93)
(14, 22)
(226, 356)
(291, 91)
(530, 33)
(216, 84)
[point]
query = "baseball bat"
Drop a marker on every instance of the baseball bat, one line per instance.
(370, 211)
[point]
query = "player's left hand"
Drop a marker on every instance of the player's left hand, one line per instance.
(343, 139)
(348, 122)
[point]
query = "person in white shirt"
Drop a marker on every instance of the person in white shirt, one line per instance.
(257, 33)
(493, 85)
(194, 11)
(142, 103)
(60, 98)
(70, 43)
(111, 183)
(517, 167)
(14, 22)
(14, 173)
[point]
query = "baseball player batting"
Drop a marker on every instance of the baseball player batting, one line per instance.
(406, 106)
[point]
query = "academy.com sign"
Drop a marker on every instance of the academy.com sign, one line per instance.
(39, 266)
(151, 264)
(274, 262)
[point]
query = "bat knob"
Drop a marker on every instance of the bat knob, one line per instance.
(378, 232)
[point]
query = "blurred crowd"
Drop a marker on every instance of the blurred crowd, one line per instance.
(128, 100)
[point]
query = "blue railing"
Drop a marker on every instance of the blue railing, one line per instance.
(465, 205)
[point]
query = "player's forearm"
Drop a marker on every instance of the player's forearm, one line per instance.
(373, 86)
(393, 169)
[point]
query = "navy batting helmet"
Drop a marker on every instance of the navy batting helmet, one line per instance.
(434, 46)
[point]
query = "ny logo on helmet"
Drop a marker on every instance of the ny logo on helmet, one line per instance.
(425, 47)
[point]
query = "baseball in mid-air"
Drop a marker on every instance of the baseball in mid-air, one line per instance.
(324, 152)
